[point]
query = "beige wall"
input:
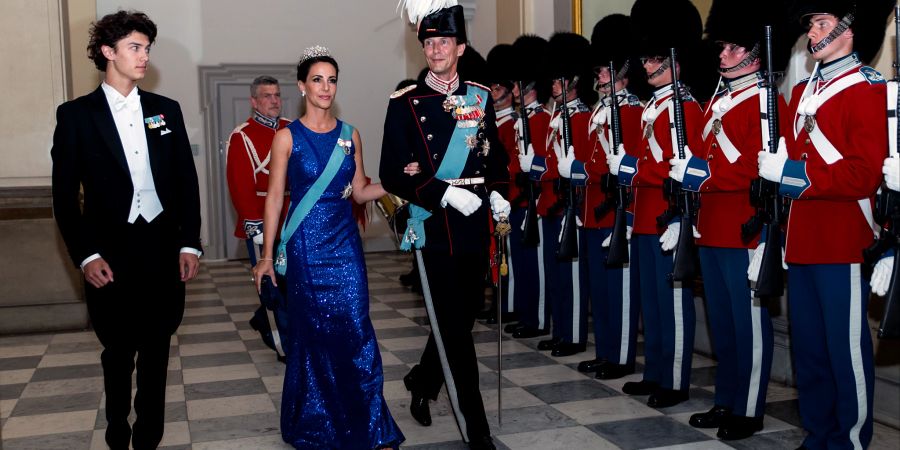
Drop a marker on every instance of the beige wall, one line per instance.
(32, 84)
(81, 76)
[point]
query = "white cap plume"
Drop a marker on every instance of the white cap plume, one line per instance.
(418, 9)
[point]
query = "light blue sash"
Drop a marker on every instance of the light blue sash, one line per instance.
(451, 167)
(305, 205)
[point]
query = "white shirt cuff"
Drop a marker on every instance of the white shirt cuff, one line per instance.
(190, 250)
(89, 259)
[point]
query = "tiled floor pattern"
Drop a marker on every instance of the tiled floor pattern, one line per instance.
(225, 386)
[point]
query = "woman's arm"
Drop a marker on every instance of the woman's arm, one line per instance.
(363, 191)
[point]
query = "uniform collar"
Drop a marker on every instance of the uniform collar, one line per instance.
(830, 71)
(444, 87)
(662, 92)
(621, 94)
(264, 120)
(504, 112)
(742, 82)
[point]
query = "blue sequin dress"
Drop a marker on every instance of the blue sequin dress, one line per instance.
(333, 381)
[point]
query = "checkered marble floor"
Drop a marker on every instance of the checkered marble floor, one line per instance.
(225, 386)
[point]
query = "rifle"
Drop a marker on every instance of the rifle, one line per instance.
(771, 207)
(568, 241)
(887, 208)
(530, 233)
(618, 242)
(681, 202)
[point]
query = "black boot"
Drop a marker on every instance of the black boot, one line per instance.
(739, 427)
(714, 418)
(591, 365)
(418, 407)
(567, 349)
(549, 344)
(664, 398)
(511, 328)
(614, 371)
(640, 387)
(528, 333)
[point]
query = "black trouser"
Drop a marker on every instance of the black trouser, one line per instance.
(137, 314)
(457, 291)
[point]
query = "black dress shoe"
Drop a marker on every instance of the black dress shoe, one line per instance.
(511, 328)
(528, 333)
(482, 443)
(739, 427)
(640, 387)
(418, 407)
(486, 315)
(281, 359)
(567, 349)
(408, 279)
(549, 344)
(664, 398)
(491, 318)
(714, 418)
(592, 365)
(614, 371)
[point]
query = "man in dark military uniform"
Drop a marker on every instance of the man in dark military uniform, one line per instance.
(448, 126)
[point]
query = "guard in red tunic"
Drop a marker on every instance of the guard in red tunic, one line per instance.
(247, 168)
(614, 309)
(722, 171)
(530, 51)
(667, 307)
(830, 166)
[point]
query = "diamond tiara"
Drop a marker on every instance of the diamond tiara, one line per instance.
(313, 52)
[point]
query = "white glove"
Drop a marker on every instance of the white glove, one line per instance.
(881, 275)
(669, 238)
(756, 262)
(499, 205)
(615, 161)
(679, 166)
(526, 158)
(891, 170)
(258, 239)
(628, 230)
(771, 165)
(461, 200)
(564, 161)
(562, 226)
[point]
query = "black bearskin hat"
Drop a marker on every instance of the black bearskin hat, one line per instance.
(664, 24)
(614, 39)
(472, 66)
(447, 22)
(567, 58)
(500, 64)
(530, 66)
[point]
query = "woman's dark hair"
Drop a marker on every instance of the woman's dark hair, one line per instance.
(303, 67)
(112, 28)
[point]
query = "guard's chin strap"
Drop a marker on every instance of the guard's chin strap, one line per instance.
(749, 59)
(662, 68)
(620, 75)
(839, 29)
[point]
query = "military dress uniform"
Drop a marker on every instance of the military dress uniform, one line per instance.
(568, 304)
(247, 159)
(418, 127)
(667, 307)
(614, 309)
(534, 314)
(722, 170)
(836, 144)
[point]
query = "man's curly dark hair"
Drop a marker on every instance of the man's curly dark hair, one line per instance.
(112, 28)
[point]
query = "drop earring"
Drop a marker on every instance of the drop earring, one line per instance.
(303, 93)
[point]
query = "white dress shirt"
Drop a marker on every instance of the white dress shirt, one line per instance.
(128, 116)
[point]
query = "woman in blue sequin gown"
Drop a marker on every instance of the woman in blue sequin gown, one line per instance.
(332, 394)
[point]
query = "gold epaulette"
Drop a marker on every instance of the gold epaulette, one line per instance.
(472, 83)
(403, 91)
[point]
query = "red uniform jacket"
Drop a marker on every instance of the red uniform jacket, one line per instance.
(827, 224)
(247, 169)
(579, 118)
(506, 133)
(731, 151)
(595, 166)
(539, 125)
(651, 168)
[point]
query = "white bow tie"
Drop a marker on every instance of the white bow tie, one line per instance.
(133, 102)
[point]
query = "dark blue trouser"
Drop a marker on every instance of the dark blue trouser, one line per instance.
(741, 331)
(832, 351)
(562, 287)
(522, 285)
(668, 312)
(614, 309)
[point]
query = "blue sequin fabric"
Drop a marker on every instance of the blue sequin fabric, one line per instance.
(333, 381)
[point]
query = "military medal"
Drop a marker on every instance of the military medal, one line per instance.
(717, 126)
(648, 131)
(485, 147)
(348, 190)
(471, 141)
(809, 124)
(346, 145)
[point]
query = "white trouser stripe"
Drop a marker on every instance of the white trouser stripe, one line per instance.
(439, 343)
(756, 363)
(678, 317)
(856, 353)
(511, 280)
(626, 311)
(576, 294)
(541, 286)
